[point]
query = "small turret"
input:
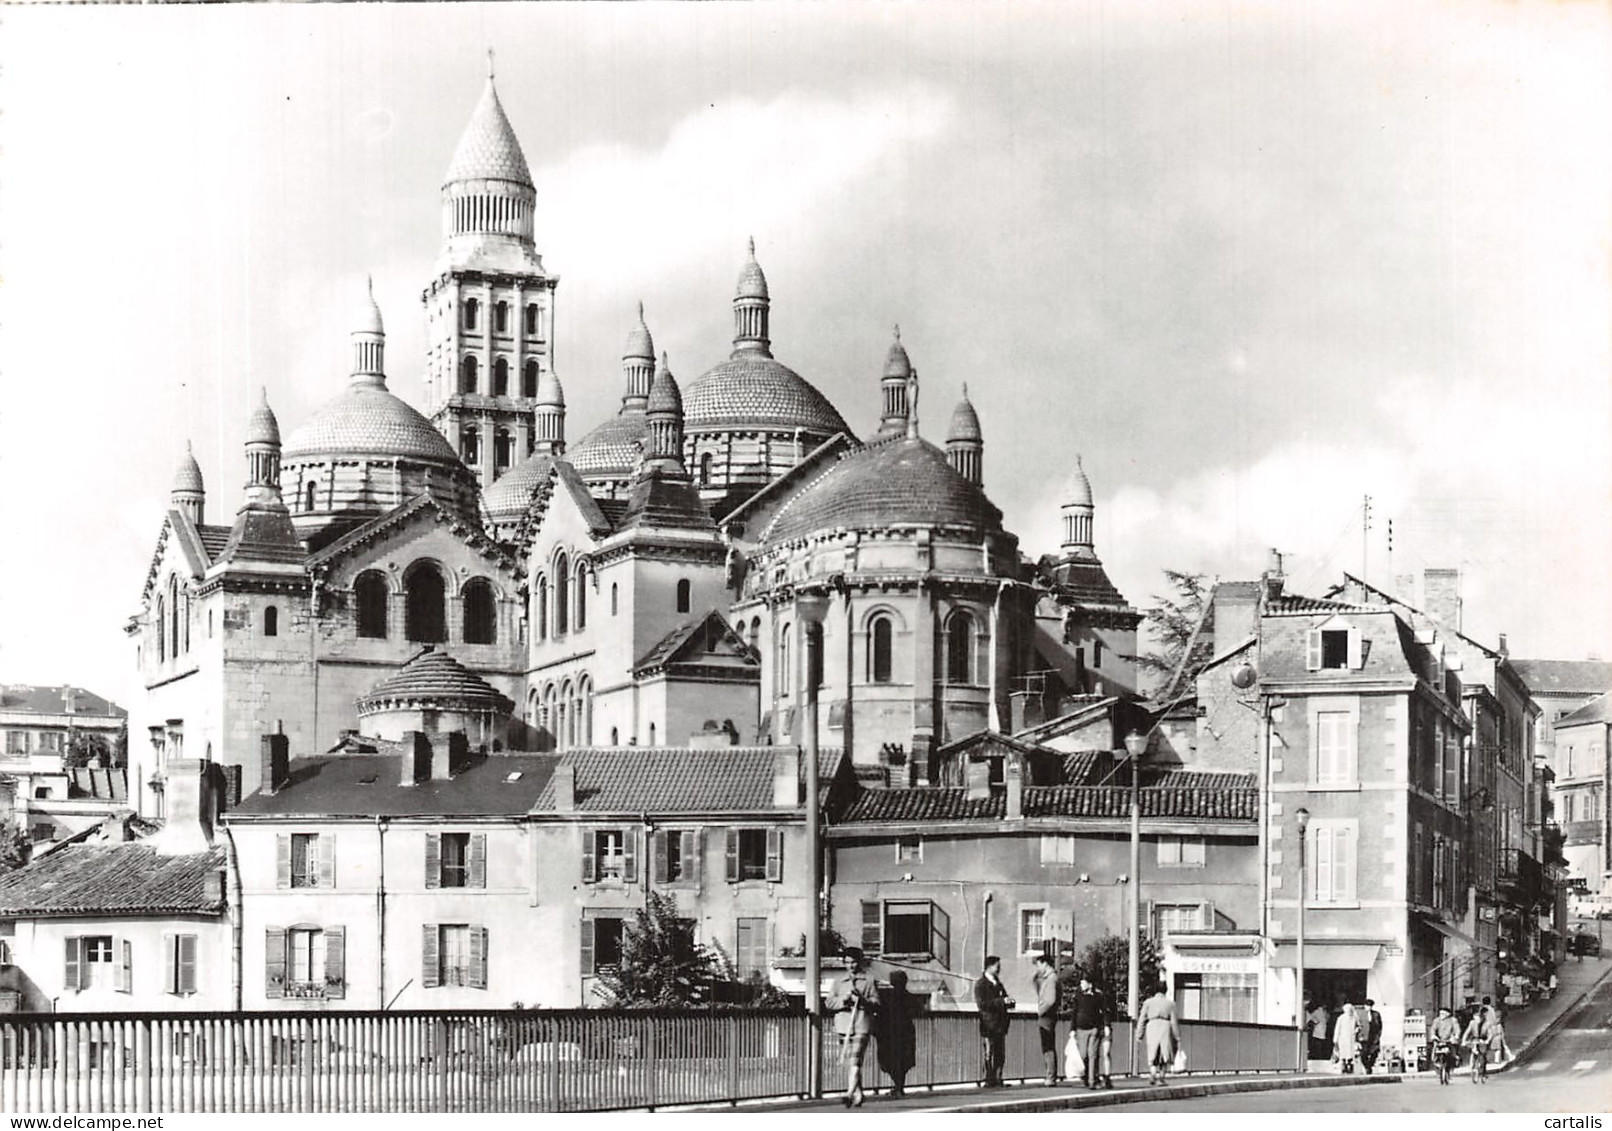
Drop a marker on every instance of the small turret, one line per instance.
(665, 421)
(898, 373)
(263, 452)
(965, 446)
(189, 494)
(369, 340)
(548, 418)
(638, 365)
(1077, 511)
(750, 309)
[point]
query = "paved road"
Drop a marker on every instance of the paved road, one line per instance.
(1570, 1073)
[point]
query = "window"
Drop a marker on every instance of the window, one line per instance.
(1335, 748)
(310, 495)
(755, 854)
(683, 591)
(271, 621)
(370, 594)
(308, 860)
(1096, 653)
(1168, 917)
(1218, 997)
(960, 649)
(480, 613)
(705, 469)
(500, 378)
(562, 594)
(468, 374)
(456, 860)
(1181, 852)
(601, 944)
(1335, 646)
(89, 964)
(472, 308)
(501, 318)
(614, 599)
(16, 742)
(542, 603)
(503, 449)
(179, 964)
(1332, 861)
(531, 318)
(453, 954)
(610, 855)
(306, 957)
(907, 927)
(1032, 930)
(677, 853)
(1591, 810)
(529, 380)
(783, 662)
(470, 446)
(750, 955)
(425, 607)
(582, 597)
(1057, 849)
(1334, 649)
(879, 633)
(909, 849)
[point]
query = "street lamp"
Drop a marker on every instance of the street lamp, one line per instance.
(1302, 818)
(1136, 745)
(810, 609)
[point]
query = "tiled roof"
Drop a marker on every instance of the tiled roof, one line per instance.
(1296, 604)
(1597, 710)
(638, 779)
(263, 427)
(434, 677)
(752, 282)
(611, 450)
(213, 539)
(665, 502)
(367, 420)
(120, 879)
(898, 481)
(30, 699)
(752, 390)
(188, 476)
(1586, 677)
(432, 509)
(965, 423)
(704, 639)
(640, 344)
(263, 533)
(1077, 488)
(896, 361)
(488, 149)
(1084, 581)
(507, 499)
(1186, 797)
(360, 785)
(664, 394)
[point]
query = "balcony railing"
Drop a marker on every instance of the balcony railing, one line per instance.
(506, 1061)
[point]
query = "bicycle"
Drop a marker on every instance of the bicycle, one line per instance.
(1443, 1060)
(1480, 1062)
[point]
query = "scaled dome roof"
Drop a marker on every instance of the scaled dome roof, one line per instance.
(751, 389)
(434, 677)
(262, 427)
(965, 421)
(612, 448)
(188, 475)
(1077, 489)
(488, 149)
(902, 481)
(367, 420)
(507, 499)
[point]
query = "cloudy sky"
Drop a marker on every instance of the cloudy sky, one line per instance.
(1253, 261)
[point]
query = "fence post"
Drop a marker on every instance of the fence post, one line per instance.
(733, 1055)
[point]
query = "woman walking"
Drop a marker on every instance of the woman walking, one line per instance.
(1346, 1040)
(1158, 1027)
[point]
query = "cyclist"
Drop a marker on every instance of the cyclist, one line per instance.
(1476, 1038)
(1445, 1034)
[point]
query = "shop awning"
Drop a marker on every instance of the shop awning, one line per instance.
(1451, 932)
(1322, 955)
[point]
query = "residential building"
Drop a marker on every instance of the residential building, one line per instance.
(1562, 688)
(1582, 739)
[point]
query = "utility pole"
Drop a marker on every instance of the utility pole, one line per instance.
(1365, 536)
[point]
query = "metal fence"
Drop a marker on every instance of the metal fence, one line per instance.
(504, 1061)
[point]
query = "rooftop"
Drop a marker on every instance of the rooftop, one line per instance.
(31, 699)
(92, 878)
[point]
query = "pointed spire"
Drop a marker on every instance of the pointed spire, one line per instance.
(898, 372)
(489, 64)
(637, 365)
(262, 427)
(965, 447)
(548, 416)
(665, 420)
(750, 309)
(263, 451)
(188, 494)
(369, 339)
(489, 149)
(1077, 512)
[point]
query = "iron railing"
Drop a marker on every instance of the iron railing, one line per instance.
(506, 1061)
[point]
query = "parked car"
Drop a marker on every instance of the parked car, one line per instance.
(1598, 906)
(1586, 944)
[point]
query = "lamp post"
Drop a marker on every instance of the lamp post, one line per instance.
(1136, 745)
(810, 611)
(1302, 818)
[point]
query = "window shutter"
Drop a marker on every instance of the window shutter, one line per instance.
(72, 979)
(274, 962)
(587, 947)
(430, 962)
(587, 856)
(170, 964)
(433, 860)
(1150, 916)
(733, 856)
(1207, 922)
(478, 958)
(282, 860)
(1322, 846)
(1344, 862)
(775, 855)
(662, 864)
(1357, 658)
(940, 935)
(1312, 661)
(872, 927)
(693, 850)
(336, 962)
(327, 860)
(629, 854)
(478, 860)
(123, 979)
(187, 964)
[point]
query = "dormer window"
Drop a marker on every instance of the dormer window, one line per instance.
(1335, 646)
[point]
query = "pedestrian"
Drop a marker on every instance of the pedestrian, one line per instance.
(1476, 1037)
(1370, 1026)
(1551, 984)
(992, 1000)
(897, 1032)
(1320, 1036)
(1158, 1027)
(1045, 978)
(1091, 1020)
(856, 1004)
(1497, 1032)
(1443, 1038)
(1346, 1040)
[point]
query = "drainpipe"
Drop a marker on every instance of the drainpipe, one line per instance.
(380, 912)
(986, 929)
(232, 870)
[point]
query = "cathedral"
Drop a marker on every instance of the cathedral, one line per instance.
(470, 568)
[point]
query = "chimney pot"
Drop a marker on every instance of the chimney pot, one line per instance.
(1014, 772)
(417, 757)
(786, 766)
(565, 789)
(276, 762)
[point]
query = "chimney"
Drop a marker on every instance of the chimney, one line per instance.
(786, 767)
(417, 757)
(1026, 709)
(213, 887)
(564, 787)
(1502, 649)
(1274, 579)
(1234, 613)
(1442, 596)
(69, 700)
(1014, 770)
(448, 754)
(190, 809)
(276, 755)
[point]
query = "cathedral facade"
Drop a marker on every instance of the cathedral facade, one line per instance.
(637, 588)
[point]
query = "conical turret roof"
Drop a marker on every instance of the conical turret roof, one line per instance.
(262, 427)
(965, 421)
(664, 395)
(188, 476)
(752, 283)
(1077, 490)
(488, 149)
(433, 676)
(639, 342)
(896, 362)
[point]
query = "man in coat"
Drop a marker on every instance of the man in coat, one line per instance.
(992, 1000)
(855, 1000)
(1370, 1024)
(1045, 978)
(1092, 1017)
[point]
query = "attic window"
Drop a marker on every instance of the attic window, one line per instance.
(516, 776)
(1335, 646)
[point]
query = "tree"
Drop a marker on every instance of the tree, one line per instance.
(661, 964)
(87, 749)
(1174, 622)
(14, 848)
(1107, 962)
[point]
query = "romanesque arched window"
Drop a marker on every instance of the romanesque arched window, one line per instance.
(960, 648)
(755, 635)
(425, 605)
(542, 603)
(310, 495)
(705, 469)
(271, 621)
(469, 446)
(501, 378)
(784, 681)
(503, 449)
(582, 596)
(562, 595)
(370, 597)
(472, 308)
(684, 590)
(531, 318)
(547, 720)
(880, 631)
(529, 380)
(173, 614)
(467, 374)
(562, 716)
(501, 318)
(162, 628)
(615, 599)
(481, 613)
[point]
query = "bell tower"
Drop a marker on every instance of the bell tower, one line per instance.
(490, 307)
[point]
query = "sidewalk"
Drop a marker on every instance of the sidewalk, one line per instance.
(1531, 1025)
